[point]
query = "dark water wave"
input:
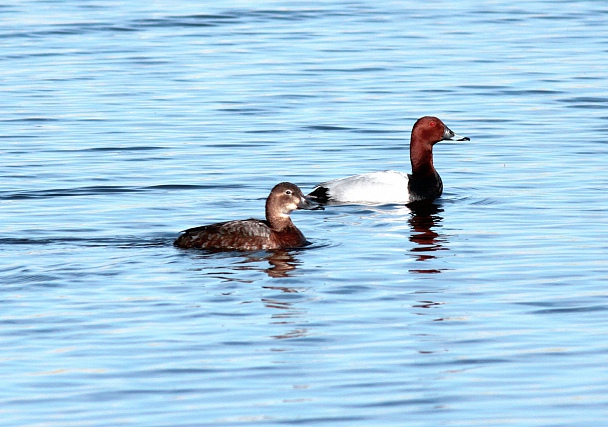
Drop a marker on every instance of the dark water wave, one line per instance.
(32, 119)
(567, 310)
(133, 148)
(104, 189)
(114, 242)
(326, 127)
(127, 242)
(185, 21)
(591, 102)
(234, 17)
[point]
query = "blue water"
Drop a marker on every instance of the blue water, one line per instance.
(123, 123)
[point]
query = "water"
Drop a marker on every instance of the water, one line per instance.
(123, 124)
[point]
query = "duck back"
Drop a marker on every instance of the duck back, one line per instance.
(247, 234)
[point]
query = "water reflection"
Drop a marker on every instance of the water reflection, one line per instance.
(282, 263)
(425, 220)
(283, 301)
(285, 315)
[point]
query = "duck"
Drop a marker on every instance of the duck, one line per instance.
(276, 232)
(389, 186)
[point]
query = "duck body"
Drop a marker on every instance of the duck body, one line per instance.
(424, 183)
(276, 232)
(374, 187)
(247, 235)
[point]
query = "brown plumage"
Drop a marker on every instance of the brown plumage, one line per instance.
(276, 232)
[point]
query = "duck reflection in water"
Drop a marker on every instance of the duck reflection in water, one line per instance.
(284, 309)
(425, 218)
(282, 263)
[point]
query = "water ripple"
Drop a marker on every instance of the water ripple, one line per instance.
(107, 189)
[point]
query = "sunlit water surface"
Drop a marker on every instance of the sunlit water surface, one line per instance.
(126, 122)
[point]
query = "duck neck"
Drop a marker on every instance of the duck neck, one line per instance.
(277, 221)
(424, 183)
(422, 160)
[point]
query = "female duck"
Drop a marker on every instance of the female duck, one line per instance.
(277, 232)
(424, 183)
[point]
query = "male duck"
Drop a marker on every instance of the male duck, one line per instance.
(277, 232)
(424, 183)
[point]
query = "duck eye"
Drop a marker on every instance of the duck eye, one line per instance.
(288, 192)
(432, 124)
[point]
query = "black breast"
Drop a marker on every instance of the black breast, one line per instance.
(424, 187)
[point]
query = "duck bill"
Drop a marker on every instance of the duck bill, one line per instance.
(449, 135)
(308, 204)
